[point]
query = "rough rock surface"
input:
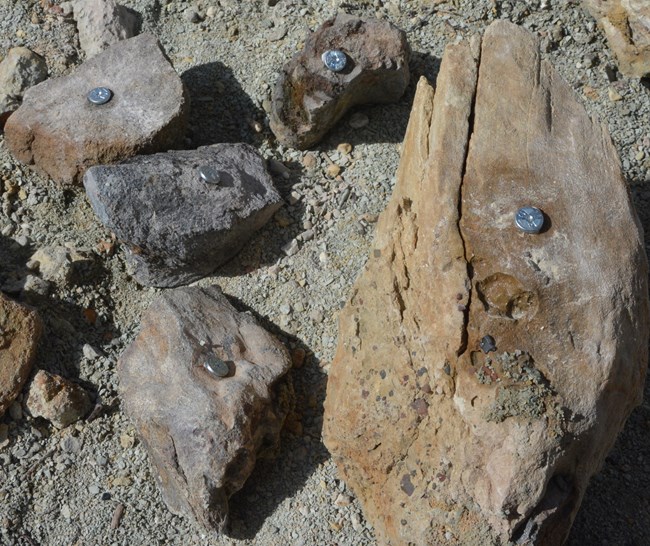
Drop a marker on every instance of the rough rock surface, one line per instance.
(627, 26)
(101, 23)
(178, 228)
(309, 99)
(204, 433)
(20, 331)
(56, 399)
(19, 70)
(60, 133)
(442, 442)
(58, 263)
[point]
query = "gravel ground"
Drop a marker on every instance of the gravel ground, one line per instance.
(64, 487)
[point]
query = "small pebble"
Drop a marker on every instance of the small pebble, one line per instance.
(358, 120)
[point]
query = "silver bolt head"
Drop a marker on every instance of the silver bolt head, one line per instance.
(100, 95)
(334, 59)
(529, 219)
(209, 174)
(215, 366)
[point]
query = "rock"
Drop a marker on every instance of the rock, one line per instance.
(627, 26)
(432, 434)
(309, 99)
(56, 399)
(59, 263)
(20, 331)
(179, 228)
(204, 432)
(102, 23)
(19, 70)
(56, 129)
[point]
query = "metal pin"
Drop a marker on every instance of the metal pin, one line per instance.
(100, 95)
(209, 174)
(529, 219)
(334, 59)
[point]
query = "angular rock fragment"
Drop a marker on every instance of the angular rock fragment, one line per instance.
(56, 399)
(203, 385)
(177, 225)
(627, 26)
(309, 99)
(58, 263)
(101, 23)
(20, 331)
(59, 132)
(19, 70)
(438, 437)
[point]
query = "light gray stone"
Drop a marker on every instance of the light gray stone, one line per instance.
(19, 70)
(177, 227)
(102, 23)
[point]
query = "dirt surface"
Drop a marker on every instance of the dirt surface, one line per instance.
(91, 483)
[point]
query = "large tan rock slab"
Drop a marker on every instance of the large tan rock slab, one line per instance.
(205, 387)
(20, 332)
(442, 442)
(627, 26)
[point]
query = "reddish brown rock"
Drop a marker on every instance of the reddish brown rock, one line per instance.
(60, 133)
(627, 26)
(56, 399)
(442, 442)
(20, 331)
(308, 99)
(204, 430)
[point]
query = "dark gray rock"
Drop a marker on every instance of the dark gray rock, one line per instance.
(60, 133)
(309, 99)
(177, 227)
(204, 431)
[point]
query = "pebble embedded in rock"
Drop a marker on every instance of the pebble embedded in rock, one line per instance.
(177, 227)
(147, 113)
(101, 23)
(309, 99)
(56, 399)
(20, 332)
(205, 447)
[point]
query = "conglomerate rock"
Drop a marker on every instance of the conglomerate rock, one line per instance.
(443, 442)
(309, 99)
(60, 133)
(177, 226)
(627, 26)
(203, 385)
(20, 332)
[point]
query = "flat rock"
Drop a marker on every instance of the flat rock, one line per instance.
(60, 133)
(627, 26)
(20, 331)
(443, 442)
(101, 23)
(56, 399)
(204, 431)
(178, 227)
(19, 70)
(309, 99)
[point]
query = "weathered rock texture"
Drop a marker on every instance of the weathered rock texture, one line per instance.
(627, 26)
(177, 227)
(204, 433)
(308, 99)
(19, 70)
(56, 399)
(101, 23)
(20, 331)
(432, 434)
(60, 133)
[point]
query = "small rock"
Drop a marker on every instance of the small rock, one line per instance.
(56, 399)
(101, 23)
(344, 148)
(333, 170)
(614, 95)
(59, 263)
(291, 248)
(358, 120)
(71, 444)
(147, 113)
(309, 161)
(20, 332)
(127, 441)
(191, 15)
(309, 99)
(89, 352)
(204, 448)
(19, 70)
(178, 227)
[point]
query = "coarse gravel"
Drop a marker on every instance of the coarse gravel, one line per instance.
(69, 487)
